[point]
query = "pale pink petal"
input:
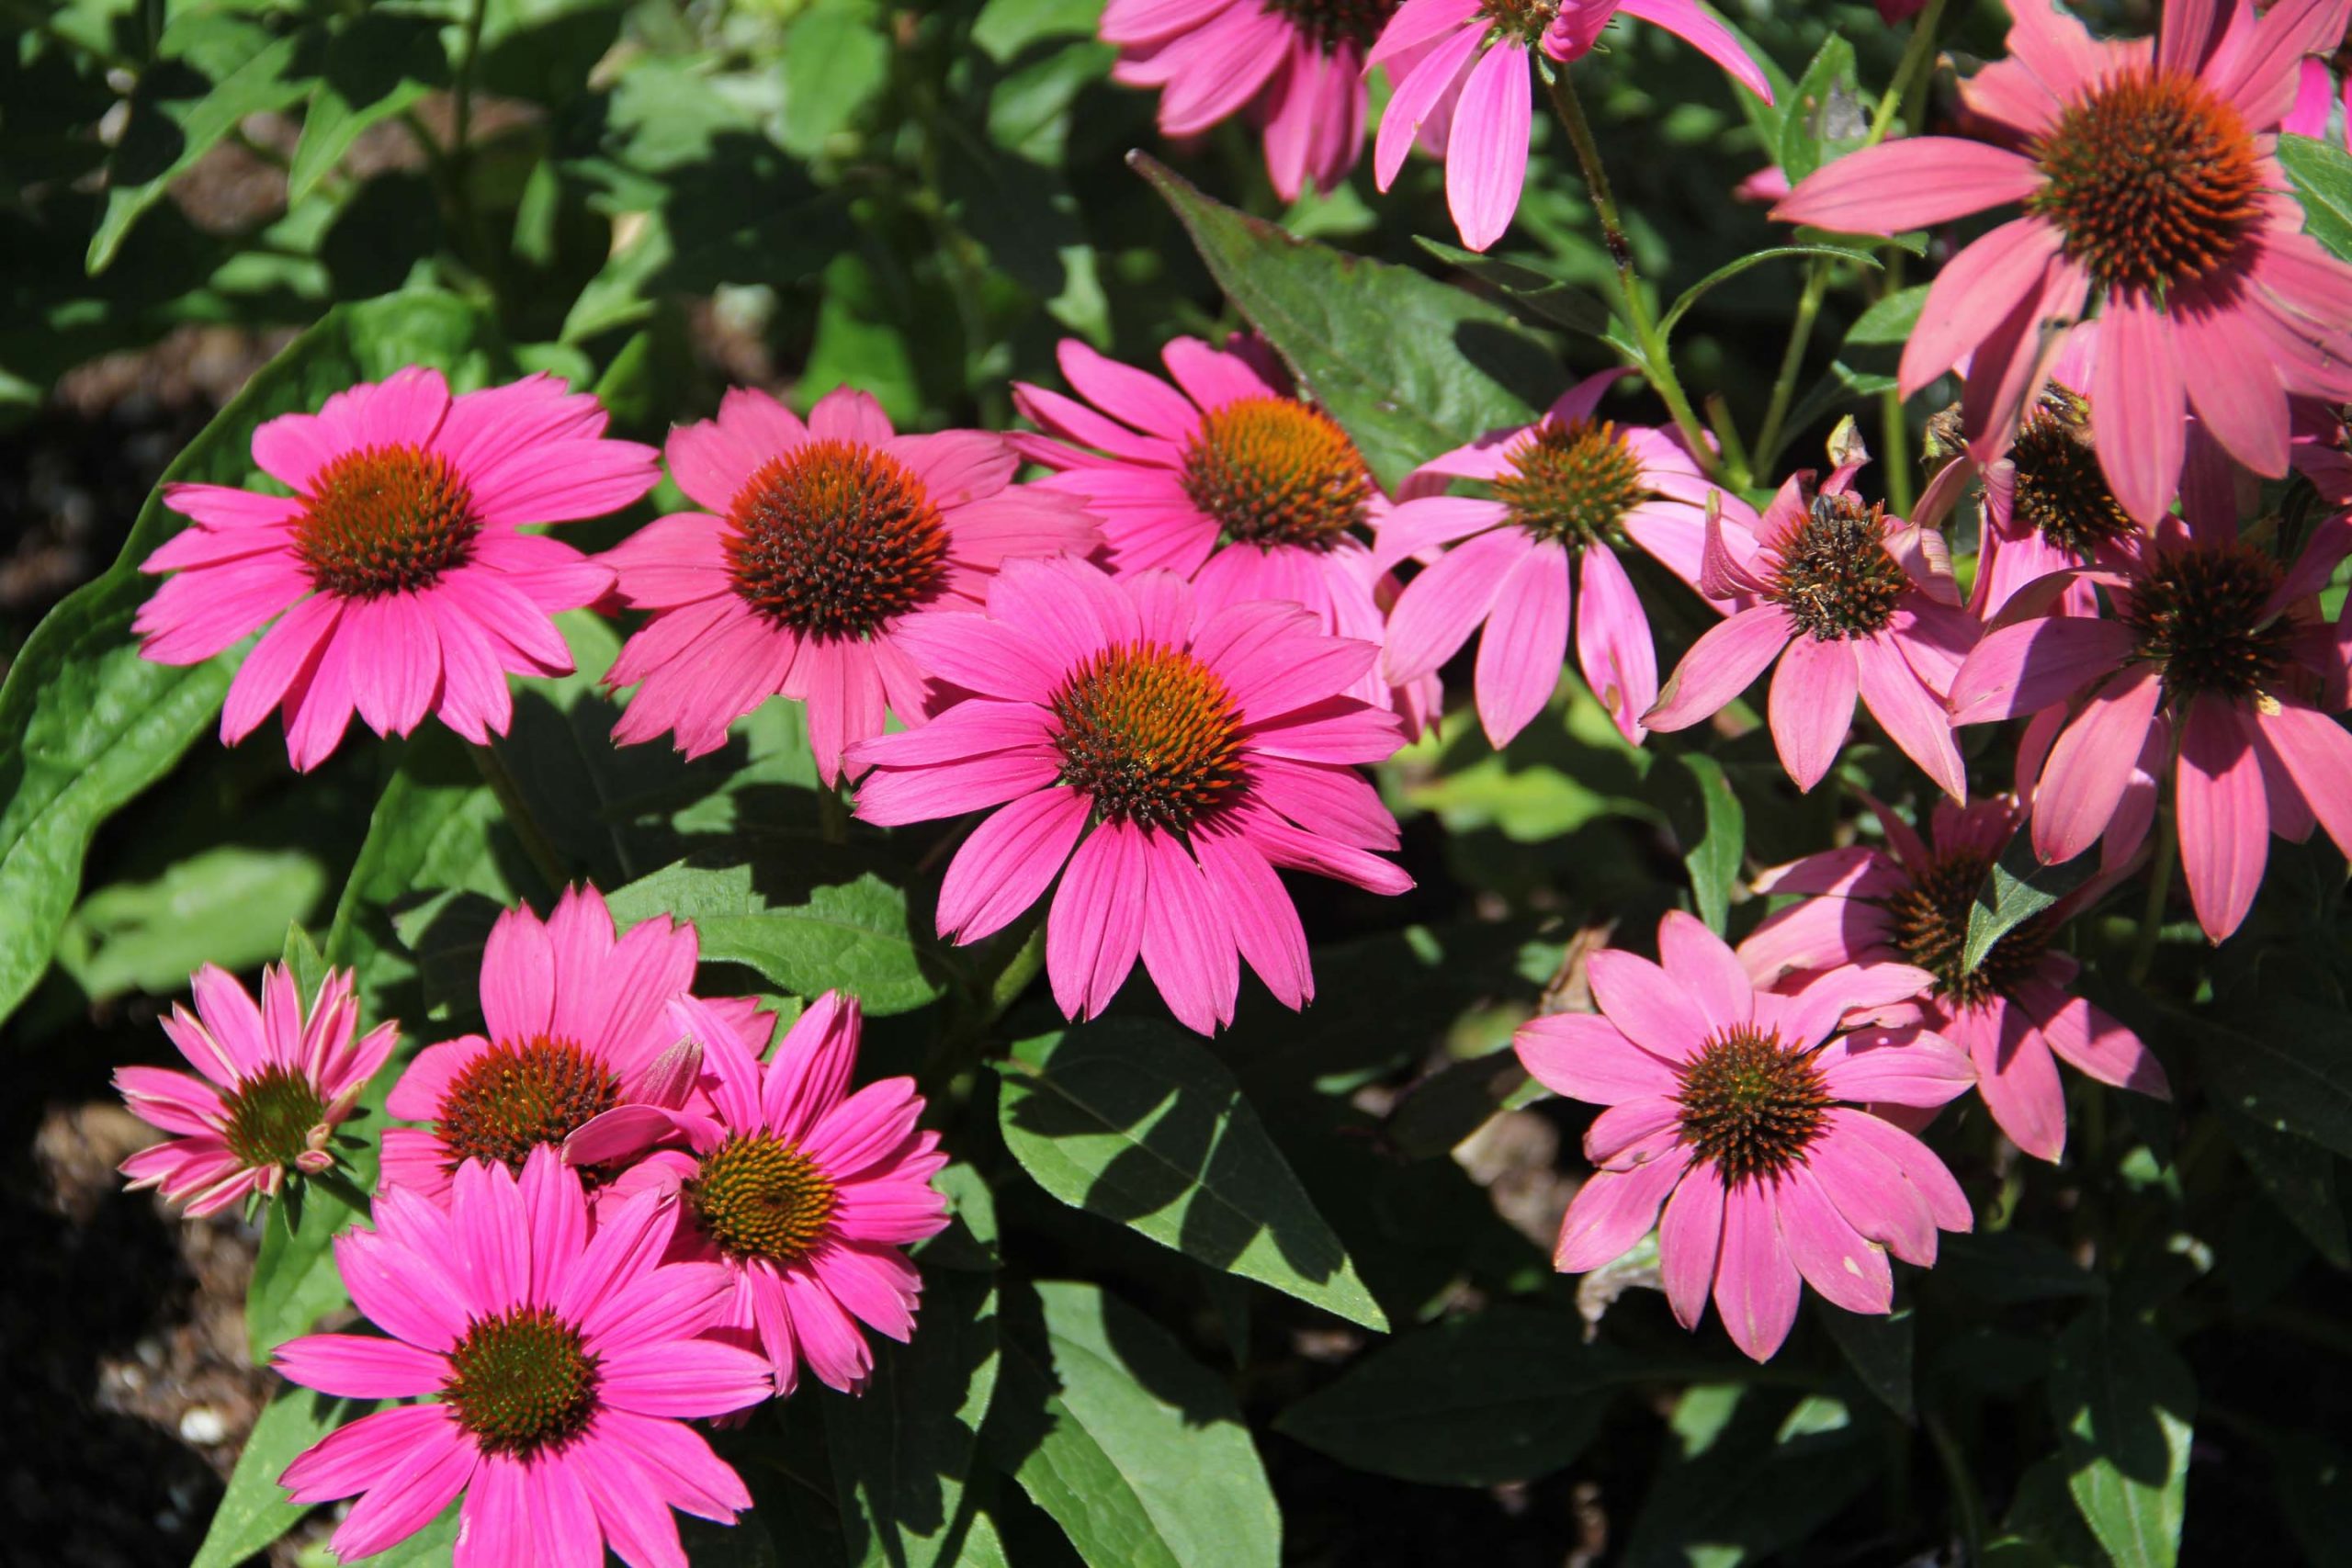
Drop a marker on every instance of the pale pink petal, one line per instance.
(1689, 1242)
(2089, 767)
(1720, 666)
(1526, 642)
(1486, 155)
(1835, 1259)
(1811, 705)
(2225, 815)
(1756, 1283)
(2138, 406)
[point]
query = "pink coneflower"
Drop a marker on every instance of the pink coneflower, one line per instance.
(1568, 490)
(818, 538)
(2317, 92)
(275, 1085)
(1202, 750)
(2151, 188)
(802, 1189)
(1295, 67)
(577, 1023)
(2211, 651)
(1468, 97)
(405, 584)
(560, 1370)
(1908, 903)
(1722, 1108)
(1232, 481)
(1851, 602)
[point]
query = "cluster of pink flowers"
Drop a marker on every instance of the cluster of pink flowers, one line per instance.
(1160, 670)
(618, 1218)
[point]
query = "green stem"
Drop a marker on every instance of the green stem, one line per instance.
(1894, 430)
(832, 816)
(518, 812)
(1918, 56)
(1785, 384)
(345, 1191)
(2152, 914)
(1647, 337)
(1965, 1503)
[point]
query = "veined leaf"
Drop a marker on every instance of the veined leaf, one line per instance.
(2124, 1402)
(1134, 1122)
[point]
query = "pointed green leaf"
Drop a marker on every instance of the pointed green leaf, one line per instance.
(2124, 1403)
(1135, 1121)
(1408, 366)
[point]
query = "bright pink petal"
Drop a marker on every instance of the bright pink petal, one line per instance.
(1811, 705)
(1756, 1283)
(1586, 1058)
(1613, 1210)
(1915, 183)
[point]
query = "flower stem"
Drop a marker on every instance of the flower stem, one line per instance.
(1967, 1506)
(518, 812)
(344, 1191)
(1784, 385)
(2152, 914)
(1647, 339)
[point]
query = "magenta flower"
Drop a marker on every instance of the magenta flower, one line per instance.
(2317, 92)
(1723, 1109)
(1295, 67)
(1851, 601)
(2152, 189)
(1468, 98)
(817, 540)
(1565, 492)
(1908, 903)
(396, 571)
(275, 1085)
(803, 1191)
(578, 1023)
(559, 1371)
(1233, 482)
(1172, 757)
(2212, 650)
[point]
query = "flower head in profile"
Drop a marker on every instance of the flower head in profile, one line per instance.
(1162, 761)
(576, 1023)
(1462, 89)
(2011, 1011)
(817, 540)
(397, 573)
(1228, 479)
(2151, 191)
(1565, 495)
(1724, 1110)
(1295, 67)
(271, 1085)
(1851, 602)
(804, 1191)
(557, 1370)
(2212, 652)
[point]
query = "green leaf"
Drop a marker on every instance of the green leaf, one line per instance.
(1137, 1451)
(1879, 1349)
(2287, 1066)
(2124, 1403)
(835, 55)
(1715, 859)
(2018, 887)
(1409, 367)
(2321, 175)
(1508, 1394)
(812, 925)
(214, 68)
(1135, 1121)
(379, 63)
(1730, 270)
(1556, 300)
(303, 959)
(2010, 1267)
(91, 724)
(295, 1281)
(2297, 1176)
(253, 1510)
(1748, 1472)
(1840, 386)
(1889, 322)
(1441, 1109)
(1823, 114)
(902, 1450)
(228, 905)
